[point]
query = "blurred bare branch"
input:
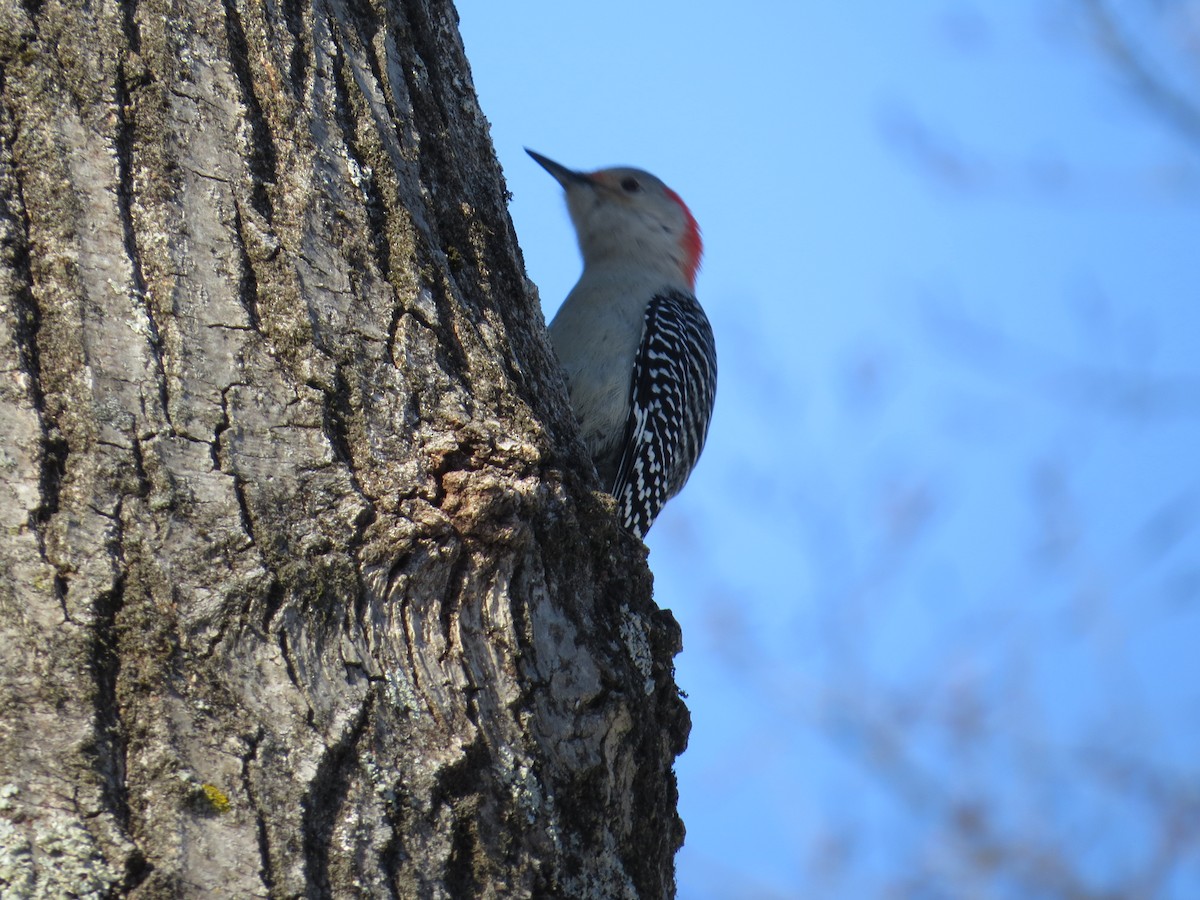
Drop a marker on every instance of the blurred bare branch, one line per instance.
(931, 150)
(1124, 391)
(1175, 107)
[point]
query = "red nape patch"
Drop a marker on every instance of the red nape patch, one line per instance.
(693, 246)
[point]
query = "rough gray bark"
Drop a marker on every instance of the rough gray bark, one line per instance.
(304, 590)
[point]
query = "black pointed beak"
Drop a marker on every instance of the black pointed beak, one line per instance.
(564, 176)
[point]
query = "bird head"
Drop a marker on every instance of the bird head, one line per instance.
(626, 214)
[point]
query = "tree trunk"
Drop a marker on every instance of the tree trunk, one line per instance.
(305, 590)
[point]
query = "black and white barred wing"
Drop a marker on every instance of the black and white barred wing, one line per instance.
(671, 401)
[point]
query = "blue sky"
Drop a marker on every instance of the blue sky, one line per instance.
(939, 569)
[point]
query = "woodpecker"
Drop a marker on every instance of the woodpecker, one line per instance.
(638, 350)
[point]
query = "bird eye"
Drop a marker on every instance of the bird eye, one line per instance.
(630, 185)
